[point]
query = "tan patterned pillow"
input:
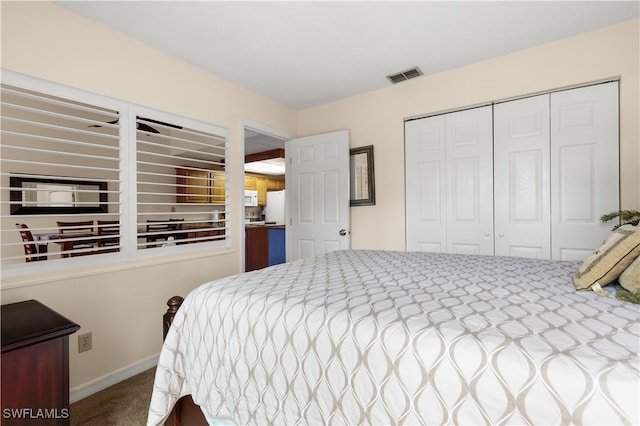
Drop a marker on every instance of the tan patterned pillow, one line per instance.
(606, 264)
(630, 278)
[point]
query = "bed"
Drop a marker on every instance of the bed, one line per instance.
(382, 337)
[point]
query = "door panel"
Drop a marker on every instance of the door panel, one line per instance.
(469, 181)
(331, 205)
(305, 205)
(449, 182)
(522, 186)
(464, 189)
(584, 168)
(318, 194)
(305, 249)
(425, 205)
(576, 170)
(460, 248)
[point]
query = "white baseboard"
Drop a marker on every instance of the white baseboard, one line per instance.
(87, 389)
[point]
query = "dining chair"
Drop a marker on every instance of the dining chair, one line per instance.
(179, 226)
(77, 229)
(30, 247)
(109, 235)
(161, 230)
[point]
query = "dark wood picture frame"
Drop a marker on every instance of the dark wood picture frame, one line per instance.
(371, 187)
(16, 183)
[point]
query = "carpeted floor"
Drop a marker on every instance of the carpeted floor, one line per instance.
(123, 404)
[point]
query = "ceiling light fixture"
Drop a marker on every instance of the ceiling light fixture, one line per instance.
(273, 166)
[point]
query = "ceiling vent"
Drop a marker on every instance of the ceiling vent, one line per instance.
(404, 75)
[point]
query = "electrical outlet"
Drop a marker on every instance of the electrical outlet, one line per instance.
(85, 342)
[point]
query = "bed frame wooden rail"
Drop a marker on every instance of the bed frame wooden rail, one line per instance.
(185, 412)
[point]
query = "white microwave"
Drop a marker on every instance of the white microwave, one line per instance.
(250, 198)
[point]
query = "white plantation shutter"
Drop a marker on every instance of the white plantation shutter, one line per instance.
(60, 163)
(79, 179)
(182, 183)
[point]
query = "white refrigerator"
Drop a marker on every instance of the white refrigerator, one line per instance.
(274, 210)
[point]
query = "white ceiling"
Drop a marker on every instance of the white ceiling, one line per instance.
(307, 53)
(255, 142)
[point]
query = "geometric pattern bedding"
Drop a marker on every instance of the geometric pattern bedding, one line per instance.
(380, 337)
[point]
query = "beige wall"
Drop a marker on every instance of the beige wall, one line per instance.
(122, 305)
(377, 117)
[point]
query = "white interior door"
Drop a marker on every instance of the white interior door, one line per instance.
(584, 168)
(521, 173)
(317, 180)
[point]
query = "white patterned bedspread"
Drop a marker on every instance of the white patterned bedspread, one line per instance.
(379, 337)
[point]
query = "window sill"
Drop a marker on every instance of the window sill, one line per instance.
(37, 278)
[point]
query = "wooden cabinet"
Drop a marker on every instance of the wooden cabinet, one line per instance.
(219, 187)
(200, 186)
(256, 248)
(35, 364)
(249, 182)
(264, 246)
(208, 186)
(262, 184)
(274, 184)
(194, 186)
(204, 234)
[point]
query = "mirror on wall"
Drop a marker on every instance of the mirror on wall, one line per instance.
(362, 176)
(47, 195)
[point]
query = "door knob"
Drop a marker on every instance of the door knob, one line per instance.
(343, 232)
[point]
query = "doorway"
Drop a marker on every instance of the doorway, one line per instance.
(264, 173)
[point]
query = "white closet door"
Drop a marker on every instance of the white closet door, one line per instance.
(425, 204)
(469, 181)
(521, 173)
(584, 168)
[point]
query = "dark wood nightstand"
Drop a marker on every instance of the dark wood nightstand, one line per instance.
(35, 364)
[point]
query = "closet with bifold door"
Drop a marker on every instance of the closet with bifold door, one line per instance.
(528, 177)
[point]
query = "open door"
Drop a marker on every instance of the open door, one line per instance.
(317, 181)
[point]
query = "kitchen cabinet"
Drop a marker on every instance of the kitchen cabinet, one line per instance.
(205, 234)
(208, 186)
(249, 182)
(200, 186)
(193, 186)
(256, 248)
(276, 243)
(264, 246)
(275, 184)
(219, 187)
(261, 187)
(35, 364)
(262, 184)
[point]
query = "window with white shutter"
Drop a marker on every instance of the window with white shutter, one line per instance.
(182, 183)
(87, 179)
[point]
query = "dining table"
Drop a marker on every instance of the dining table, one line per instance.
(65, 241)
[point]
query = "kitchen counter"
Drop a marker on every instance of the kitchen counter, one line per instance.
(200, 225)
(266, 225)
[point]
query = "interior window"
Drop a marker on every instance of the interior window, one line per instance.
(67, 192)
